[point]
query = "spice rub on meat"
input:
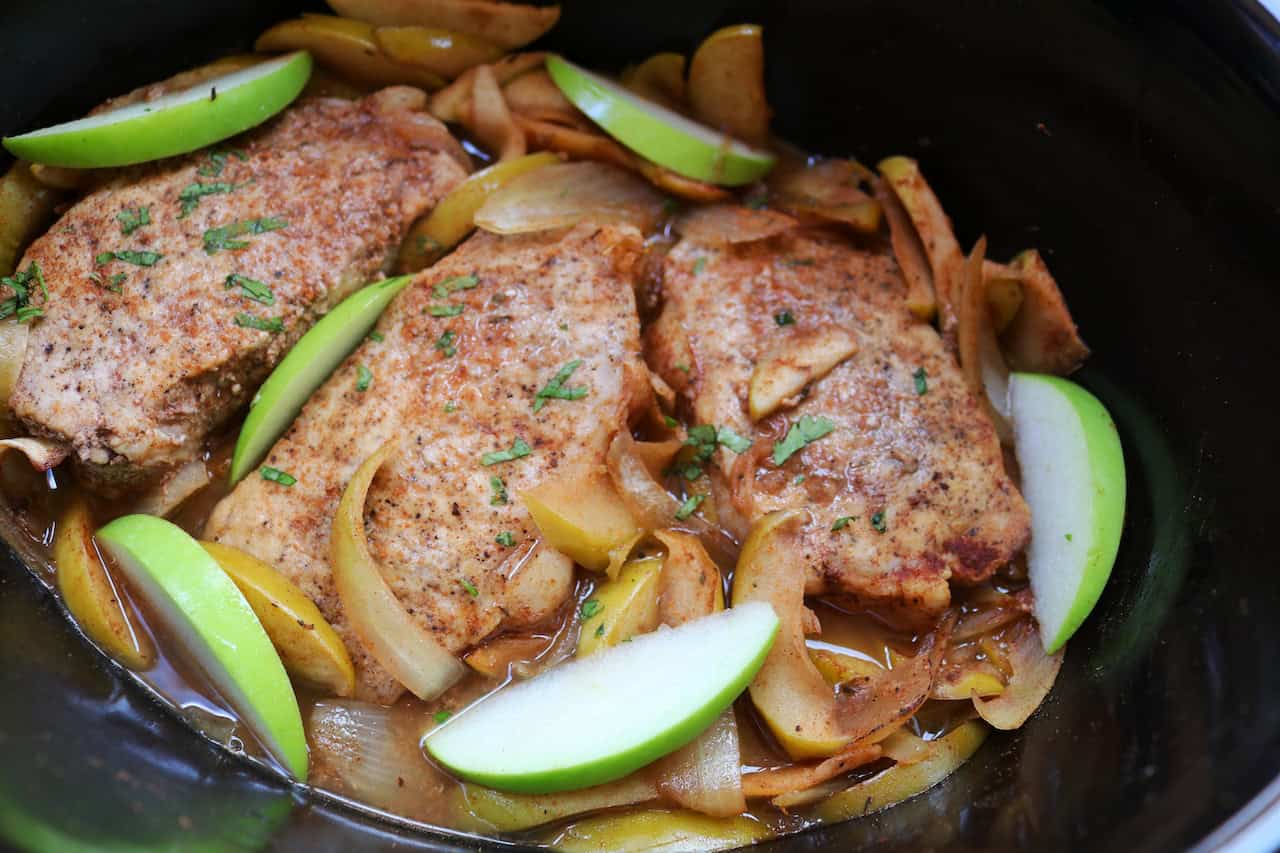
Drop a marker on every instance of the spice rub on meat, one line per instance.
(453, 373)
(175, 287)
(893, 457)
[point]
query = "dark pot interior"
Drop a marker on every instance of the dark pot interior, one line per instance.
(1133, 142)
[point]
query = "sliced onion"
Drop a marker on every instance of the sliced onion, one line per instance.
(1033, 674)
(536, 96)
(690, 585)
(395, 640)
(800, 777)
(42, 454)
(706, 775)
(490, 120)
(910, 254)
(498, 657)
(182, 484)
(903, 781)
(825, 191)
(980, 359)
(448, 103)
(565, 194)
(1042, 337)
(726, 224)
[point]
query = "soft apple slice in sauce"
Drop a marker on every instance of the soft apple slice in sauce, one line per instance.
(172, 124)
(1073, 478)
(305, 369)
(657, 133)
(598, 718)
(195, 599)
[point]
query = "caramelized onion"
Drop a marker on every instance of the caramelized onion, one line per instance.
(726, 224)
(983, 365)
(565, 194)
(42, 454)
(1033, 674)
(395, 640)
(448, 103)
(706, 775)
(489, 119)
(1042, 337)
(910, 254)
(801, 777)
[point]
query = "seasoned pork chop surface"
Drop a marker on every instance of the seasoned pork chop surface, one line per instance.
(177, 286)
(911, 465)
(463, 352)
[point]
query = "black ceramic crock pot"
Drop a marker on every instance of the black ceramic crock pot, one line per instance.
(1137, 144)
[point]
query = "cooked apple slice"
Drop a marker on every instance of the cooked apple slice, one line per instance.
(1074, 481)
(726, 82)
(657, 133)
(305, 368)
(171, 124)
(659, 829)
(348, 47)
(90, 595)
(801, 358)
(582, 516)
(627, 706)
(309, 647)
(439, 51)
(511, 25)
(621, 608)
(197, 602)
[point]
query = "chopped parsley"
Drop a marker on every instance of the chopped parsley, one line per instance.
(682, 367)
(450, 407)
(441, 716)
(600, 630)
(192, 193)
(376, 337)
(784, 318)
(364, 378)
(451, 309)
(506, 539)
(690, 506)
(555, 390)
(499, 491)
(133, 218)
(842, 522)
(470, 588)
(703, 439)
(799, 478)
(699, 265)
(803, 432)
(446, 343)
(129, 256)
(671, 422)
(877, 522)
(250, 289)
(732, 440)
(798, 262)
(590, 608)
(922, 380)
(275, 475)
(218, 160)
(1068, 537)
(117, 283)
(262, 324)
(23, 285)
(519, 449)
(217, 239)
(453, 285)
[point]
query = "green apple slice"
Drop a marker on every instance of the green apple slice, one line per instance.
(199, 603)
(171, 124)
(317, 354)
(598, 718)
(657, 133)
(1073, 479)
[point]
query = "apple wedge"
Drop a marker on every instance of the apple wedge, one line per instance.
(200, 606)
(172, 124)
(627, 706)
(1073, 479)
(305, 368)
(657, 133)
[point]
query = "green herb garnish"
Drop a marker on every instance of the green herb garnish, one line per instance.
(590, 608)
(451, 309)
(784, 318)
(217, 239)
(798, 262)
(364, 378)
(441, 716)
(682, 367)
(519, 449)
(555, 388)
(922, 380)
(191, 194)
(133, 218)
(450, 407)
(445, 343)
(452, 285)
(250, 289)
(470, 588)
(600, 630)
(129, 256)
(23, 284)
(803, 432)
(376, 337)
(877, 522)
(218, 160)
(506, 539)
(699, 265)
(499, 491)
(671, 422)
(842, 522)
(275, 475)
(690, 506)
(262, 324)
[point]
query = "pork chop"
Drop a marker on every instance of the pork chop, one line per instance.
(175, 287)
(453, 373)
(908, 489)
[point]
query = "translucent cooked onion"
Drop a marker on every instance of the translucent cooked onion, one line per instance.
(1041, 337)
(182, 484)
(535, 95)
(42, 454)
(825, 191)
(706, 775)
(910, 254)
(448, 103)
(394, 639)
(1033, 674)
(801, 777)
(490, 120)
(983, 365)
(725, 224)
(565, 194)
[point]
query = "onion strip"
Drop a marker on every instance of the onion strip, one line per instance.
(42, 454)
(1033, 675)
(394, 639)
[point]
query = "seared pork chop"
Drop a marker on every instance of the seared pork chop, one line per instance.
(454, 375)
(177, 286)
(908, 488)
